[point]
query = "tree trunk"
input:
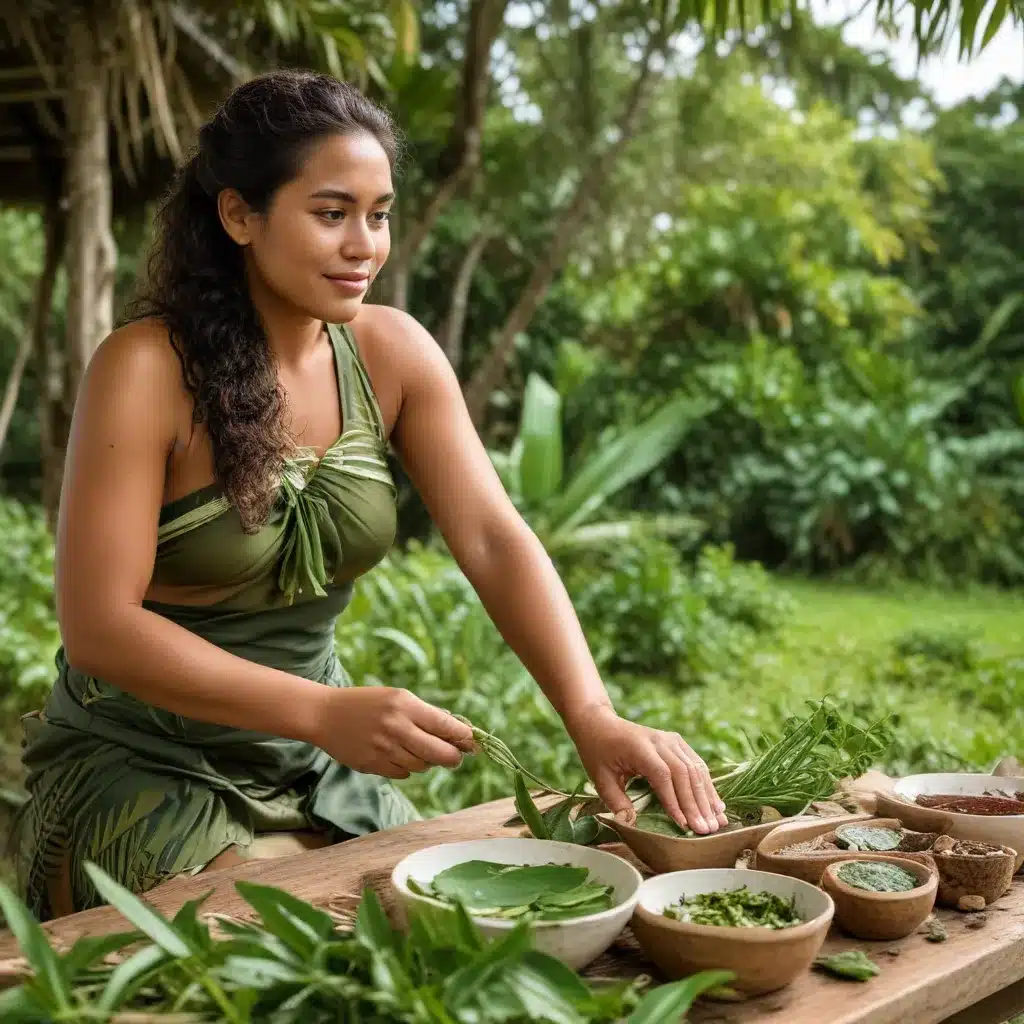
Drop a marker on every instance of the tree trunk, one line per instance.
(13, 386)
(50, 368)
(33, 339)
(91, 251)
(491, 372)
(454, 325)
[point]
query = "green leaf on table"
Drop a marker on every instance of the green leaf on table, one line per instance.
(153, 925)
(48, 979)
(851, 964)
(667, 1004)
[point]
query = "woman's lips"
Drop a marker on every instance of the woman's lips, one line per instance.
(350, 284)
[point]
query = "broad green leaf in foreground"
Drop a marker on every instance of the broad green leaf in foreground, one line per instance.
(147, 920)
(668, 1004)
(49, 979)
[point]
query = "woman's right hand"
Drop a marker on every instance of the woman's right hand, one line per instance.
(383, 730)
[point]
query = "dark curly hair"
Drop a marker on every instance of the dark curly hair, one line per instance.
(255, 143)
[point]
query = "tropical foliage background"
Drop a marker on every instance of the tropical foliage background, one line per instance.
(739, 311)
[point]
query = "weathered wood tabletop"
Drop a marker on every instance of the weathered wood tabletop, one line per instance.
(978, 970)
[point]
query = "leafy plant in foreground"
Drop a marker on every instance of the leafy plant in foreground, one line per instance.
(296, 967)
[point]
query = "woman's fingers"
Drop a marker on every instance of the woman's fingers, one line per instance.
(717, 803)
(403, 758)
(711, 804)
(669, 779)
(431, 734)
(689, 791)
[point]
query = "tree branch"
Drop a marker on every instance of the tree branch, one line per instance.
(491, 372)
(453, 327)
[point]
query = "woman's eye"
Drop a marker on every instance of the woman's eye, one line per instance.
(381, 216)
(332, 215)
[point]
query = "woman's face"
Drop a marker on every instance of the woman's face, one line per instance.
(325, 236)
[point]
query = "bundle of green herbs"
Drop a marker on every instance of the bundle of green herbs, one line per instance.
(294, 966)
(542, 892)
(736, 908)
(804, 764)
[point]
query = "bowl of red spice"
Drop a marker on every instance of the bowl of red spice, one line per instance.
(970, 806)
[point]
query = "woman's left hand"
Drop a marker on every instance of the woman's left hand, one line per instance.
(613, 751)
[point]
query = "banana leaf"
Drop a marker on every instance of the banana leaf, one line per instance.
(626, 458)
(540, 437)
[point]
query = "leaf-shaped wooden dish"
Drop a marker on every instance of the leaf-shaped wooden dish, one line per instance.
(662, 853)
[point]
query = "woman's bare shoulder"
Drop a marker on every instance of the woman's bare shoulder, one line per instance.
(135, 369)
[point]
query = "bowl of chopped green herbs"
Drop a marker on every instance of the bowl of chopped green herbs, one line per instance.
(577, 899)
(881, 899)
(765, 928)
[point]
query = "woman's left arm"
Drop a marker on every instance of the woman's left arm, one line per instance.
(519, 586)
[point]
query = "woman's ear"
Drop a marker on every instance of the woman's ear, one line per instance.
(235, 216)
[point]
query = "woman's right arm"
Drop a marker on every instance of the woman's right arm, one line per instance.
(122, 432)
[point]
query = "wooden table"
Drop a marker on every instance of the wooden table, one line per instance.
(975, 977)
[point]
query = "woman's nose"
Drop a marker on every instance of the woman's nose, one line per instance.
(357, 242)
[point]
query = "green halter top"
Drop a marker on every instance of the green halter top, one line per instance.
(148, 794)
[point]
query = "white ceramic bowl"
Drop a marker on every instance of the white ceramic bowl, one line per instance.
(1000, 829)
(762, 959)
(577, 941)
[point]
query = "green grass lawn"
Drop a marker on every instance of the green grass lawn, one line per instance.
(842, 639)
(850, 618)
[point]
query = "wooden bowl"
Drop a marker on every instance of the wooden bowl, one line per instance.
(999, 830)
(663, 854)
(809, 867)
(882, 916)
(973, 875)
(763, 959)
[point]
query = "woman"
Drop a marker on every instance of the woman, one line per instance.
(226, 483)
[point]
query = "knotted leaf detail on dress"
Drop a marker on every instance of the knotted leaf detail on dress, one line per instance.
(310, 533)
